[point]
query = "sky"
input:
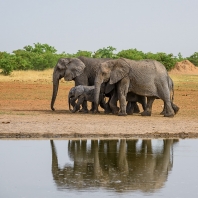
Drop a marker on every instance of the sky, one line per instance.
(70, 25)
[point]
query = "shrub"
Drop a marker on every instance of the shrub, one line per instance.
(83, 53)
(7, 64)
(105, 53)
(132, 54)
(194, 58)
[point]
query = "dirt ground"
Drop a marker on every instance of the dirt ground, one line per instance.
(25, 113)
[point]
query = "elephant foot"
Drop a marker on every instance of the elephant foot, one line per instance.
(122, 114)
(107, 111)
(136, 109)
(115, 111)
(162, 113)
(84, 110)
(170, 115)
(146, 113)
(130, 112)
(175, 108)
(96, 112)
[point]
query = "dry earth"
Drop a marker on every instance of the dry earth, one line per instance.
(25, 111)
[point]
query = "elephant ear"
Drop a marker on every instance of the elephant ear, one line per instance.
(77, 66)
(62, 63)
(80, 67)
(119, 71)
(109, 88)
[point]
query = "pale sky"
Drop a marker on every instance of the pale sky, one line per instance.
(168, 26)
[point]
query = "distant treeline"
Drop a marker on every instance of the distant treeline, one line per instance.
(43, 56)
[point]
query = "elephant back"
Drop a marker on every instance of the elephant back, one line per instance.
(92, 65)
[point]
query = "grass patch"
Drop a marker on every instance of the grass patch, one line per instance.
(185, 82)
(29, 75)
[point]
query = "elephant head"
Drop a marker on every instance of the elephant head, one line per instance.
(75, 67)
(112, 71)
(69, 68)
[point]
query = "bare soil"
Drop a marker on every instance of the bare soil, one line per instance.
(25, 113)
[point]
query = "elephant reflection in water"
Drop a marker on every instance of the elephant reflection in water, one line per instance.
(85, 169)
(114, 164)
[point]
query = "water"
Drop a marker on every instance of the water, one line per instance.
(99, 168)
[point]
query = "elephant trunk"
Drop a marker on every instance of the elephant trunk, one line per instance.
(55, 91)
(55, 169)
(98, 82)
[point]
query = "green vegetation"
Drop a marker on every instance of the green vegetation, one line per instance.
(42, 56)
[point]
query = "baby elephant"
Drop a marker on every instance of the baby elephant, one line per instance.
(83, 93)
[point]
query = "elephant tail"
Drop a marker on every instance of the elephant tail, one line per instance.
(171, 88)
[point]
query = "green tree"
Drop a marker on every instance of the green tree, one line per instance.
(83, 53)
(132, 54)
(105, 53)
(7, 62)
(40, 48)
(194, 58)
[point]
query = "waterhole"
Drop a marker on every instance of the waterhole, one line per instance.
(99, 168)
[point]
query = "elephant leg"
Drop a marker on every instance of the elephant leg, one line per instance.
(132, 107)
(164, 110)
(129, 108)
(136, 108)
(102, 101)
(148, 110)
(175, 107)
(122, 88)
(169, 112)
(84, 107)
(77, 106)
(107, 107)
(143, 102)
(83, 102)
(113, 103)
(73, 101)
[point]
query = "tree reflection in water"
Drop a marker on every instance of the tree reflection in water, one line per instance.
(120, 165)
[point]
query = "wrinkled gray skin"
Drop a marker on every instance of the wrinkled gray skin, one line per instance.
(83, 93)
(145, 77)
(171, 88)
(82, 70)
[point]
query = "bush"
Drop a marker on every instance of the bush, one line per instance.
(132, 54)
(7, 64)
(83, 53)
(194, 58)
(105, 53)
(42, 56)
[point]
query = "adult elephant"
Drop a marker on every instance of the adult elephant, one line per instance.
(82, 70)
(145, 77)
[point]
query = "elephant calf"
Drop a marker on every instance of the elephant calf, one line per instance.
(132, 106)
(83, 93)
